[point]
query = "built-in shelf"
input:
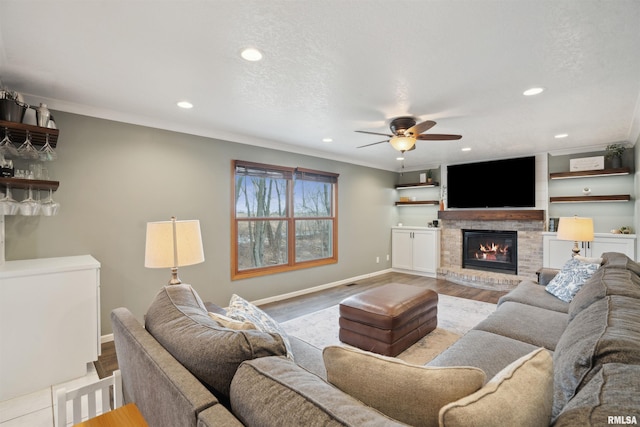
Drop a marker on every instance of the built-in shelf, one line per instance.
(493, 215)
(419, 202)
(18, 133)
(590, 174)
(417, 185)
(591, 199)
(22, 183)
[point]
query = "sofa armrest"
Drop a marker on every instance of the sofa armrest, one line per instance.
(545, 275)
(165, 391)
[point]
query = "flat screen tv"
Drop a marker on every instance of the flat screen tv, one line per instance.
(493, 184)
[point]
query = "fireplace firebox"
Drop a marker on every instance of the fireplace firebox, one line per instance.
(491, 250)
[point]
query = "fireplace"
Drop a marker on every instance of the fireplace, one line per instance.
(491, 250)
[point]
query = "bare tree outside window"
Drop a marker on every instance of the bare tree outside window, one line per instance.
(283, 218)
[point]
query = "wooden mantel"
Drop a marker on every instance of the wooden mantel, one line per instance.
(493, 215)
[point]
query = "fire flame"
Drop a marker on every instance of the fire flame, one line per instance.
(490, 251)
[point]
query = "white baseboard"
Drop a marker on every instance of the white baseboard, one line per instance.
(318, 288)
(106, 338)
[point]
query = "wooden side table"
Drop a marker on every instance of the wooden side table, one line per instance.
(124, 416)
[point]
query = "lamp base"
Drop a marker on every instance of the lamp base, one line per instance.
(576, 250)
(175, 280)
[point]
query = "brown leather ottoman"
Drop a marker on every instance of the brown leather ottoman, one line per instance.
(388, 319)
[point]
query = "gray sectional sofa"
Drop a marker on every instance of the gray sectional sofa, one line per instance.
(186, 369)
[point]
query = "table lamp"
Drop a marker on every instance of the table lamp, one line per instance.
(576, 229)
(173, 244)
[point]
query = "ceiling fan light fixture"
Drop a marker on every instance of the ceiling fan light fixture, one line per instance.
(402, 143)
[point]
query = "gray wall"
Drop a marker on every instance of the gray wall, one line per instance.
(115, 177)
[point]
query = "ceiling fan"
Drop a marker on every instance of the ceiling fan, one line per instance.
(405, 132)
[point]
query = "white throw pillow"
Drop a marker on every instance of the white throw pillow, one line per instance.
(575, 272)
(229, 323)
(519, 395)
(412, 394)
(243, 310)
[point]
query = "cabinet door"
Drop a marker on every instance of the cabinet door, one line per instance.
(612, 244)
(402, 249)
(556, 252)
(424, 251)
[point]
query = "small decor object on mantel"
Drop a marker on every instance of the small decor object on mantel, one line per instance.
(614, 153)
(586, 164)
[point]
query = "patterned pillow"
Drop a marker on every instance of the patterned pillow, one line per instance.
(575, 272)
(242, 310)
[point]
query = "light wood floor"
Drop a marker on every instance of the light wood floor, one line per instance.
(298, 306)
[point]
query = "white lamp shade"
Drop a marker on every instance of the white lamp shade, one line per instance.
(402, 143)
(160, 251)
(575, 229)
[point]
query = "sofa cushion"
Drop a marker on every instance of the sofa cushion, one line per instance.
(530, 293)
(526, 323)
(519, 395)
(606, 281)
(619, 260)
(608, 331)
(179, 321)
(613, 391)
(242, 310)
(274, 391)
(571, 278)
(409, 393)
(484, 350)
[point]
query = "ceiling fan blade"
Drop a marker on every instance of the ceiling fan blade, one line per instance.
(374, 133)
(419, 128)
(375, 143)
(438, 137)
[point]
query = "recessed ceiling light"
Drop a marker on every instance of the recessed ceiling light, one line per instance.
(185, 104)
(466, 149)
(400, 158)
(327, 139)
(251, 54)
(561, 135)
(533, 91)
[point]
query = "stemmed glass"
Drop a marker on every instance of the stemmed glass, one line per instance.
(48, 206)
(8, 206)
(6, 146)
(27, 150)
(47, 153)
(30, 206)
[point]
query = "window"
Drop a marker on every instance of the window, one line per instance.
(283, 219)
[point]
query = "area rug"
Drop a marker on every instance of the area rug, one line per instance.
(456, 316)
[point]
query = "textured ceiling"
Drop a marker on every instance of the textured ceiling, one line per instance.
(331, 67)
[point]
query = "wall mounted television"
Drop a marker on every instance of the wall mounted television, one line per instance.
(493, 184)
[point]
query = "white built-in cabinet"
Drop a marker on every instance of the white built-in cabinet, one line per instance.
(557, 252)
(49, 322)
(416, 249)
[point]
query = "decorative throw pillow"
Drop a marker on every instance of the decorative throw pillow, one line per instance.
(566, 284)
(519, 395)
(229, 323)
(411, 394)
(242, 310)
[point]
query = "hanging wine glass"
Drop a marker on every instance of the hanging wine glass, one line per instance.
(47, 153)
(29, 206)
(6, 145)
(48, 206)
(8, 206)
(27, 150)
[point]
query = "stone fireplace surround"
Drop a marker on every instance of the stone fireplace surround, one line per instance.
(528, 223)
